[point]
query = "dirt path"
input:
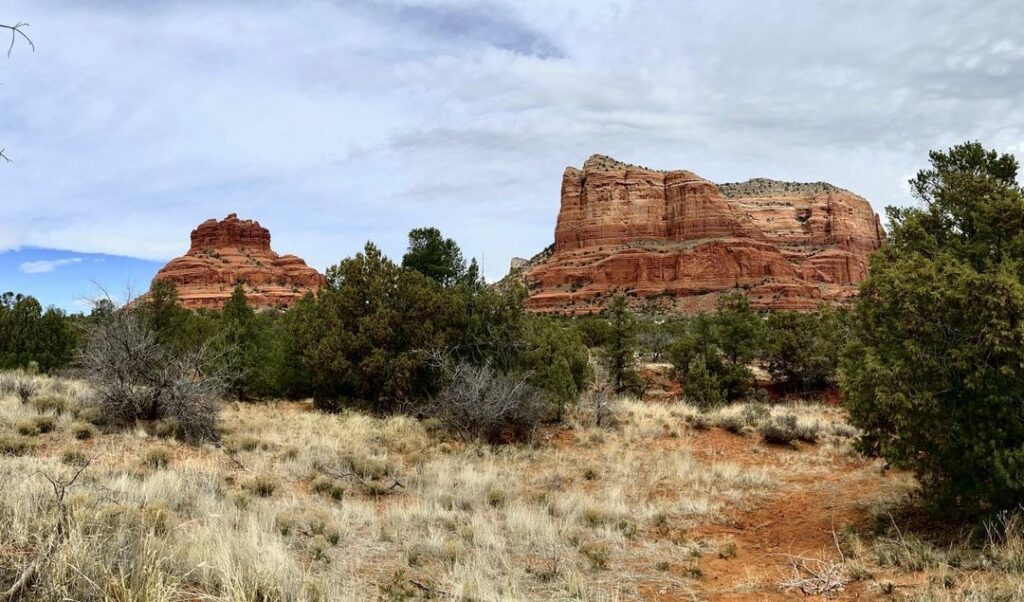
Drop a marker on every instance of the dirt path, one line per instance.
(797, 518)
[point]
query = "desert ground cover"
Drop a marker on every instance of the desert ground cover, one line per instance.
(661, 502)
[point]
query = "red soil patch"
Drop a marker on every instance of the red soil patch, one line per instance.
(797, 518)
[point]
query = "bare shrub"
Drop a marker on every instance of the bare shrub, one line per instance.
(603, 408)
(656, 342)
(135, 378)
(785, 429)
(479, 402)
(780, 430)
(25, 387)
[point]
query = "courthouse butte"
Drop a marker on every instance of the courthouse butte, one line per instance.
(229, 252)
(678, 241)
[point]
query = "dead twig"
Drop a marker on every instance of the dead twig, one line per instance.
(358, 479)
(17, 30)
(57, 539)
(815, 576)
(230, 453)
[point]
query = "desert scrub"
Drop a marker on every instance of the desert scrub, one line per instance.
(73, 457)
(27, 428)
(260, 485)
(50, 404)
(785, 429)
(157, 458)
(83, 431)
(598, 553)
(11, 445)
(25, 387)
(329, 487)
(7, 384)
(36, 425)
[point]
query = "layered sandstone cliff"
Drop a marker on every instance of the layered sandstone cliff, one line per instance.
(229, 252)
(676, 239)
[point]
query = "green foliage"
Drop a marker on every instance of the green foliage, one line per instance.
(370, 335)
(434, 256)
(369, 330)
(934, 373)
(620, 345)
(32, 336)
(722, 345)
(161, 312)
(594, 331)
(738, 329)
(177, 329)
(702, 387)
(801, 350)
(292, 373)
(243, 356)
(654, 338)
(556, 361)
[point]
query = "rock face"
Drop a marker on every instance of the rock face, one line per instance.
(677, 240)
(233, 251)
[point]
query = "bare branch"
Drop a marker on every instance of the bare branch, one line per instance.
(358, 479)
(17, 30)
(4, 156)
(57, 539)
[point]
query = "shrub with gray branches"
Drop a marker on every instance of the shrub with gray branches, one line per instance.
(134, 377)
(479, 402)
(25, 387)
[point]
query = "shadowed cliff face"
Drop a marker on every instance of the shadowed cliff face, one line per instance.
(233, 251)
(683, 240)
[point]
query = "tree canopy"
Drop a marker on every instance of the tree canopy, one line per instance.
(934, 373)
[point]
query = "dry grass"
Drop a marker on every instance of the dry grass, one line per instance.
(296, 505)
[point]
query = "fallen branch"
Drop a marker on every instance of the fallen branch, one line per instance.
(815, 576)
(353, 476)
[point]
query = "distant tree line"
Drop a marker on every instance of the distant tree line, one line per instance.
(35, 338)
(379, 336)
(714, 354)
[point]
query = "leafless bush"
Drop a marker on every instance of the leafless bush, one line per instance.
(603, 407)
(25, 387)
(479, 402)
(656, 342)
(135, 378)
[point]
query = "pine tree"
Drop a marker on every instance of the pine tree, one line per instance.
(620, 348)
(242, 352)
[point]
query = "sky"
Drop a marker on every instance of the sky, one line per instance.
(335, 122)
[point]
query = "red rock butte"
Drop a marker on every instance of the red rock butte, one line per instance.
(678, 241)
(229, 252)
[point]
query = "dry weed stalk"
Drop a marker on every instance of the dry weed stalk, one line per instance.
(57, 538)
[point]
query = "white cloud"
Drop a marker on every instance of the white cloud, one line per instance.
(47, 265)
(337, 121)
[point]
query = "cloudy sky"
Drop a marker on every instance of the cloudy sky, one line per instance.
(334, 122)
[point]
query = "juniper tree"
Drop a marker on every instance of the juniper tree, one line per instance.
(934, 373)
